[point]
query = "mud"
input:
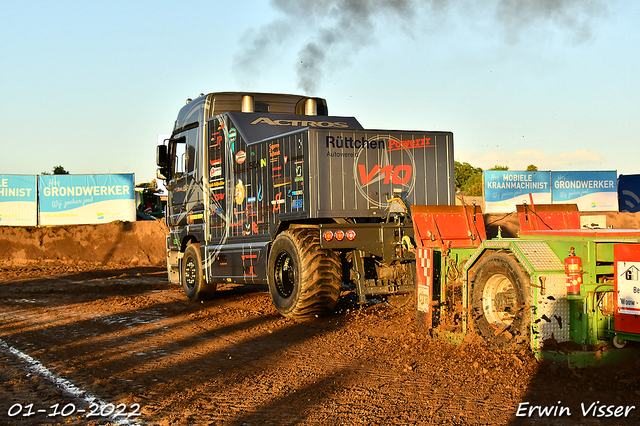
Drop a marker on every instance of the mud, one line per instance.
(114, 328)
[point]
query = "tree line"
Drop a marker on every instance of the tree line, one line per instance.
(57, 170)
(469, 178)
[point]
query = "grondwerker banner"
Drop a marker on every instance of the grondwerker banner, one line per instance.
(591, 190)
(85, 199)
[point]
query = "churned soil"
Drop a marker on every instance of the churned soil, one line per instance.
(87, 314)
(509, 224)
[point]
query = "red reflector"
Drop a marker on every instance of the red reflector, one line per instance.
(328, 235)
(351, 235)
(339, 235)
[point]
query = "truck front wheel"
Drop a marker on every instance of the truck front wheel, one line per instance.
(195, 286)
(500, 299)
(304, 280)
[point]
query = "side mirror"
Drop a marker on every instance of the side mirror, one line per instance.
(162, 156)
(162, 160)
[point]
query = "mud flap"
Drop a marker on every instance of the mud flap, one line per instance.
(173, 266)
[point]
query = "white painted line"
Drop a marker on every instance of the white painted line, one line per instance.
(36, 367)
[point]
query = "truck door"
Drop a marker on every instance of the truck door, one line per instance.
(218, 182)
(185, 204)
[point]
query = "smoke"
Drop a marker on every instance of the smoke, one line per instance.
(332, 31)
(573, 16)
(352, 29)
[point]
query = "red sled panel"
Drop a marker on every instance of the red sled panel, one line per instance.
(424, 278)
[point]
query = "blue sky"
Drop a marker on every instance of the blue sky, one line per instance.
(90, 85)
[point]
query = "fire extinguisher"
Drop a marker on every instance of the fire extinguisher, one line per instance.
(573, 269)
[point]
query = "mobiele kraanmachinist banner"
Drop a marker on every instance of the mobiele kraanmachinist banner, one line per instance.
(18, 200)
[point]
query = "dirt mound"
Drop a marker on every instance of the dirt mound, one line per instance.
(132, 244)
(509, 225)
(116, 244)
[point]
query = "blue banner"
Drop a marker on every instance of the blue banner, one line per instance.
(78, 199)
(591, 191)
(503, 190)
(629, 193)
(18, 200)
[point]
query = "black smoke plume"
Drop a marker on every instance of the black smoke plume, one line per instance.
(332, 30)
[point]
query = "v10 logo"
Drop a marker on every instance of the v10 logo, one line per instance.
(399, 175)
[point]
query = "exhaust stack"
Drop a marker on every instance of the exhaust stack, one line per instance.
(247, 103)
(310, 107)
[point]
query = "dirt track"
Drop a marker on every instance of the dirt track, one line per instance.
(121, 333)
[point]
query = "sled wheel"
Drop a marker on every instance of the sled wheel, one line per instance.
(500, 299)
(618, 342)
(402, 302)
(304, 280)
(193, 283)
(405, 301)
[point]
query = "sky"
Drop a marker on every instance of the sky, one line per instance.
(556, 84)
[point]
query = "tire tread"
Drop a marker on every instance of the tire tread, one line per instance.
(320, 275)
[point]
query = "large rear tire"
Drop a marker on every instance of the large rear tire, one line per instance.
(500, 301)
(193, 283)
(304, 280)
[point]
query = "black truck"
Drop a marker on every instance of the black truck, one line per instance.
(270, 189)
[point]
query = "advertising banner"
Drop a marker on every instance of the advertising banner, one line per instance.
(86, 199)
(591, 191)
(629, 193)
(503, 190)
(18, 201)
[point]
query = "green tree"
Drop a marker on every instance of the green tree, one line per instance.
(474, 185)
(532, 168)
(57, 170)
(498, 167)
(464, 173)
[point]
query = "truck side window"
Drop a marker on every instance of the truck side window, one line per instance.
(192, 143)
(179, 154)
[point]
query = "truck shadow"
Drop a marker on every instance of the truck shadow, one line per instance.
(235, 360)
(48, 288)
(175, 356)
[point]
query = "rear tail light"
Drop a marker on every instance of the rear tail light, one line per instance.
(339, 235)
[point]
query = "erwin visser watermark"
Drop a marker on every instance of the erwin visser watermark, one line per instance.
(593, 409)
